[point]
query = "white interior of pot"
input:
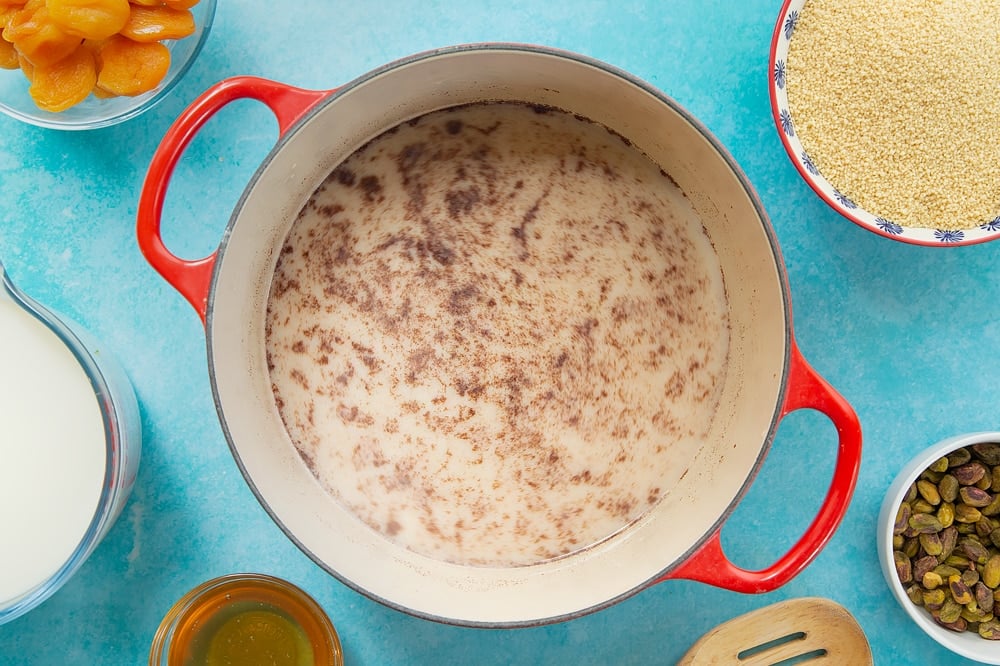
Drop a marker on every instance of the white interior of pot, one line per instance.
(690, 511)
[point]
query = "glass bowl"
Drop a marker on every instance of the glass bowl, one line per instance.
(246, 618)
(65, 480)
(965, 643)
(93, 112)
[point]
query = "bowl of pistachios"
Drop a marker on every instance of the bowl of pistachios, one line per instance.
(939, 543)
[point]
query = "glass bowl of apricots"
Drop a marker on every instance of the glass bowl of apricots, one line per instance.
(84, 64)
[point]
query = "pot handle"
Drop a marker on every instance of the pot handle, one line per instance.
(806, 390)
(192, 277)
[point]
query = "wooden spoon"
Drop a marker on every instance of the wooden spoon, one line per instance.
(804, 630)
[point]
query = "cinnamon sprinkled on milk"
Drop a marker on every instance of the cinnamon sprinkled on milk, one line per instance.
(497, 334)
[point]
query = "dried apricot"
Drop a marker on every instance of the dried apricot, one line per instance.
(126, 67)
(90, 19)
(60, 45)
(69, 81)
(36, 37)
(9, 9)
(153, 24)
(23, 11)
(6, 13)
(8, 55)
(26, 67)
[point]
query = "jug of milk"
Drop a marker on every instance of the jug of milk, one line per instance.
(70, 441)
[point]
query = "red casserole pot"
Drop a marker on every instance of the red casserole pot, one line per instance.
(766, 376)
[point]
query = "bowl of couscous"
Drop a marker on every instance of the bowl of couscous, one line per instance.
(887, 112)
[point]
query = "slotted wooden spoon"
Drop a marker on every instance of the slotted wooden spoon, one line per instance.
(810, 630)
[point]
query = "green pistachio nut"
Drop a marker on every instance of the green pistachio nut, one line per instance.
(988, 452)
(948, 488)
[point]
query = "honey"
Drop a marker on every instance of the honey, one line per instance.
(246, 619)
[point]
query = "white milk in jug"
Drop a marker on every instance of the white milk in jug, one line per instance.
(53, 453)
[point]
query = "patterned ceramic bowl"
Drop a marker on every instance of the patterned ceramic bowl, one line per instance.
(784, 33)
(93, 112)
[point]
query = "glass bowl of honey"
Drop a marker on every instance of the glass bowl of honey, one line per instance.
(246, 619)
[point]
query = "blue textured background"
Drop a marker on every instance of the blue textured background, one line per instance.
(907, 334)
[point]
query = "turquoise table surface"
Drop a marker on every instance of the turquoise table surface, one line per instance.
(908, 334)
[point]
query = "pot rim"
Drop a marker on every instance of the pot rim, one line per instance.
(721, 152)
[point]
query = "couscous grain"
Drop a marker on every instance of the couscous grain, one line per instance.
(895, 102)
